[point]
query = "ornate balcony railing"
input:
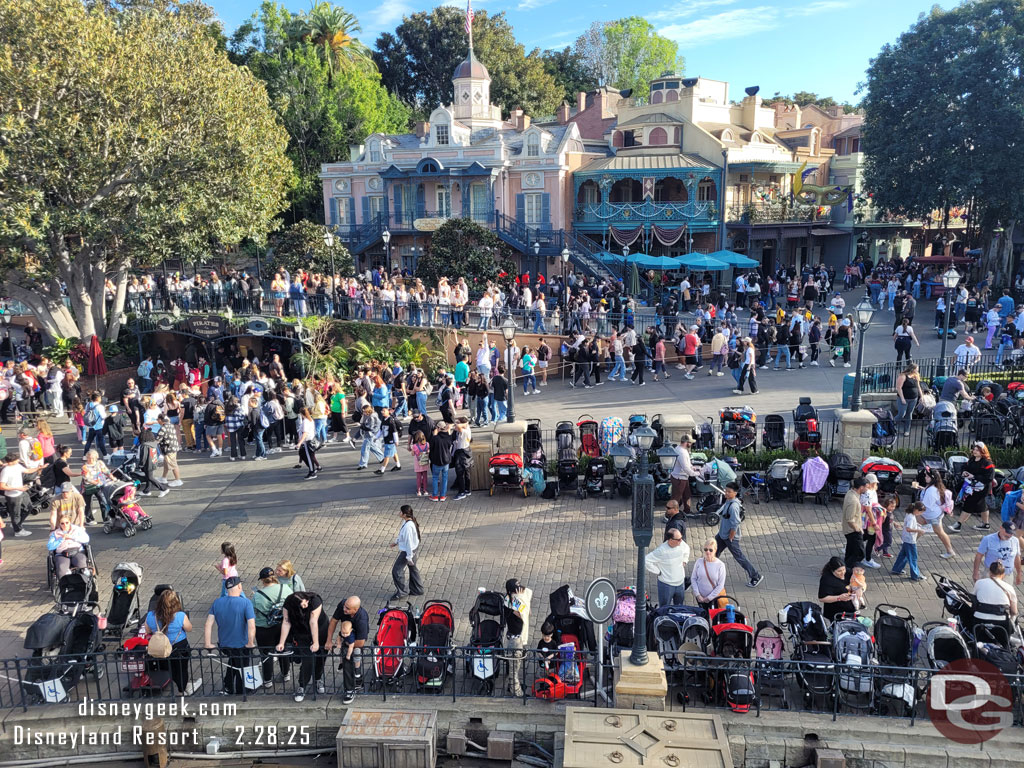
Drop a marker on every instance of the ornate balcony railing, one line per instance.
(647, 212)
(779, 213)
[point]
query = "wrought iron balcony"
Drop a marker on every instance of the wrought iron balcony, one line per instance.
(779, 213)
(648, 212)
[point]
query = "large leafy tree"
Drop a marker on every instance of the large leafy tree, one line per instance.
(125, 137)
(627, 53)
(945, 130)
(302, 246)
(479, 253)
(570, 71)
(333, 30)
(325, 105)
(418, 60)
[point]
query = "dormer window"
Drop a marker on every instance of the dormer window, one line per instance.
(442, 134)
(532, 145)
(375, 152)
(727, 135)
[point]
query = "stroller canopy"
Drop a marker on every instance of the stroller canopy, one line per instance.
(133, 571)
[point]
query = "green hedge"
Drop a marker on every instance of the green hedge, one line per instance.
(1004, 458)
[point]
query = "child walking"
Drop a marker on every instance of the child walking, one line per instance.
(228, 565)
(913, 526)
(421, 461)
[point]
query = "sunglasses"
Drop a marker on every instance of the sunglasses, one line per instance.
(709, 549)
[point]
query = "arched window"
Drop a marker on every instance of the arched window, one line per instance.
(672, 96)
(532, 145)
(658, 136)
(727, 135)
(617, 139)
(656, 97)
(755, 138)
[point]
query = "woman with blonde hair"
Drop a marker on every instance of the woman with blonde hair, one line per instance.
(286, 574)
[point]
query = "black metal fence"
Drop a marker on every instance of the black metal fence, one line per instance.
(990, 365)
(456, 672)
(821, 686)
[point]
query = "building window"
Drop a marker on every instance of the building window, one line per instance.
(658, 136)
(534, 207)
(478, 204)
(706, 192)
(444, 202)
(344, 206)
(532, 145)
(628, 139)
(856, 146)
(442, 133)
(375, 153)
(376, 207)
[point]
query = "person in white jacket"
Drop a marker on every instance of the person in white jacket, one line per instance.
(669, 561)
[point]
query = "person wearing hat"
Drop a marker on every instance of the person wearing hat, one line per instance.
(1001, 546)
(71, 503)
(235, 620)
(682, 473)
(268, 606)
(995, 600)
(117, 422)
(967, 354)
(853, 523)
(517, 616)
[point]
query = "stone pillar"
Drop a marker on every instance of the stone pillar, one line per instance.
(855, 433)
(643, 687)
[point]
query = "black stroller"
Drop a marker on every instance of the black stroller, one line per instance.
(739, 430)
(841, 471)
(883, 431)
(593, 478)
(64, 647)
(894, 645)
(123, 612)
(568, 462)
(487, 635)
(533, 446)
(705, 437)
(809, 630)
(773, 434)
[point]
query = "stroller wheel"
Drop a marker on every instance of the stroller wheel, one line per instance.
(108, 527)
(98, 671)
(711, 519)
(147, 524)
(51, 578)
(129, 531)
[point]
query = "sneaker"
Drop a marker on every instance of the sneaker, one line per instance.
(688, 376)
(193, 685)
(764, 367)
(378, 471)
(443, 498)
(896, 573)
(268, 685)
(311, 475)
(300, 694)
(917, 578)
(260, 458)
(361, 466)
(814, 363)
(846, 365)
(320, 687)
(719, 374)
(349, 697)
(947, 555)
(756, 580)
(176, 483)
(23, 533)
(983, 527)
(737, 391)
(144, 493)
(460, 496)
(643, 383)
(955, 527)
(680, 366)
(231, 458)
(93, 522)
(887, 554)
(832, 362)
(163, 493)
(287, 677)
(870, 564)
(434, 498)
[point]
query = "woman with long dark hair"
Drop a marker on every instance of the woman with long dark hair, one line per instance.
(979, 472)
(938, 501)
(307, 438)
(408, 544)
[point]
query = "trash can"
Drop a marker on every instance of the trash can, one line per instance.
(675, 426)
(508, 438)
(479, 477)
(848, 381)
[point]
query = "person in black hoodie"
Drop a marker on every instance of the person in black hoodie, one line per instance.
(446, 400)
(391, 430)
(117, 422)
(420, 422)
(146, 470)
(639, 361)
(442, 446)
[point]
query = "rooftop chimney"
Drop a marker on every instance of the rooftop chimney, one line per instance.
(563, 113)
(422, 129)
(581, 101)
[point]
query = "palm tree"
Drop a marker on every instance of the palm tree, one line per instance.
(333, 30)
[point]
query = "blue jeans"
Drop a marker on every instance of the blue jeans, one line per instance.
(741, 559)
(370, 446)
(538, 323)
(502, 409)
(669, 595)
(736, 375)
(490, 407)
(783, 350)
(439, 478)
(481, 410)
(529, 380)
(907, 556)
(999, 352)
(619, 369)
(261, 447)
(402, 409)
(95, 435)
(421, 402)
(482, 324)
(321, 429)
(892, 299)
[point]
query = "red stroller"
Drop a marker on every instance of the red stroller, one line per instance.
(396, 631)
(437, 641)
(590, 444)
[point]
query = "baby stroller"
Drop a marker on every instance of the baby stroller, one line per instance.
(805, 424)
(943, 645)
(437, 640)
(487, 633)
(620, 633)
(888, 471)
(569, 618)
(126, 515)
(593, 478)
(396, 632)
(769, 651)
(123, 613)
(622, 479)
(612, 431)
(677, 630)
(894, 642)
(636, 420)
(64, 647)
(987, 427)
(739, 432)
(814, 479)
(883, 431)
(841, 471)
(928, 467)
(733, 638)
(77, 590)
(568, 463)
(943, 429)
(854, 650)
(773, 434)
(783, 479)
(506, 470)
(957, 600)
(589, 443)
(705, 438)
(808, 631)
(708, 493)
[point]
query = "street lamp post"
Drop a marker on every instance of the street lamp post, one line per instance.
(386, 237)
(625, 261)
(565, 286)
(508, 330)
(864, 312)
(950, 280)
(536, 259)
(329, 242)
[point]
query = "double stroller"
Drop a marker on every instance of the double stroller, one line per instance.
(64, 647)
(567, 460)
(944, 428)
(739, 428)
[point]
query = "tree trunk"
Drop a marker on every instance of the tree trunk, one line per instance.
(53, 315)
(999, 257)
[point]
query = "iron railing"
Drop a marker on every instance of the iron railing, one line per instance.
(650, 211)
(778, 213)
(882, 377)
(461, 672)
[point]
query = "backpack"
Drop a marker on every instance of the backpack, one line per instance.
(742, 513)
(734, 360)
(92, 416)
(159, 646)
(266, 415)
(276, 613)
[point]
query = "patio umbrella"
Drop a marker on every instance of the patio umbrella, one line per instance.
(95, 365)
(734, 259)
(660, 263)
(702, 261)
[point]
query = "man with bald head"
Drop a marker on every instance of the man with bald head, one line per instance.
(350, 610)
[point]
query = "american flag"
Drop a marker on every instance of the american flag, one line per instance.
(469, 18)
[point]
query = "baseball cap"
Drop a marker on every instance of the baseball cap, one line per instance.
(265, 573)
(969, 339)
(870, 477)
(231, 581)
(1009, 527)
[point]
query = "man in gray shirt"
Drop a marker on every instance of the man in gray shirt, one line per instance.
(728, 536)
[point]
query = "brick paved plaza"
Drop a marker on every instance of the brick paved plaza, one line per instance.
(337, 529)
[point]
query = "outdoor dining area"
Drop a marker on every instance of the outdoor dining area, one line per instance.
(626, 264)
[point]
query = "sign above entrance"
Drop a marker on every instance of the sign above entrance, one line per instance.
(428, 225)
(207, 327)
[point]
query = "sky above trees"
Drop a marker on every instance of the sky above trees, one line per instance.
(823, 46)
